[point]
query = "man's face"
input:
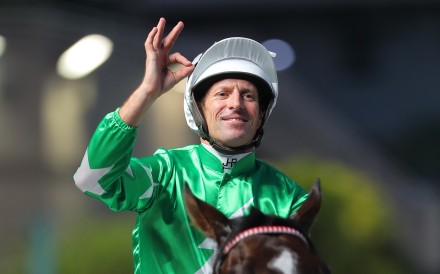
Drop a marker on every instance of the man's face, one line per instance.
(231, 111)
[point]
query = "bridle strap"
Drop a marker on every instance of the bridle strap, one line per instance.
(259, 230)
(262, 230)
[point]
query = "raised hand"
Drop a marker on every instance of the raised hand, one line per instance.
(158, 78)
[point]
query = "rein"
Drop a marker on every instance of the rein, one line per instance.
(257, 231)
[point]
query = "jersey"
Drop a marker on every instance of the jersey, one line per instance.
(164, 241)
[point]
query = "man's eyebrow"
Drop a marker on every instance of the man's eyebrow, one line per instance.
(249, 89)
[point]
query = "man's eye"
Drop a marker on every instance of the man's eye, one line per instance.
(249, 96)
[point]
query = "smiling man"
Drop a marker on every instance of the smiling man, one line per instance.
(230, 92)
(230, 108)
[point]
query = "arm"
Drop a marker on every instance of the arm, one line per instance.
(108, 172)
(158, 79)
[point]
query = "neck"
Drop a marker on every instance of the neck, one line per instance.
(226, 149)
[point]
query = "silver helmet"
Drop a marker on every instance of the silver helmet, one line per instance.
(235, 57)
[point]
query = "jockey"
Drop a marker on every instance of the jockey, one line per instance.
(230, 92)
(238, 58)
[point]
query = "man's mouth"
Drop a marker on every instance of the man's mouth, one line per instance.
(234, 119)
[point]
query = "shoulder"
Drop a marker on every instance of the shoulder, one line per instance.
(176, 152)
(275, 176)
(170, 155)
(269, 168)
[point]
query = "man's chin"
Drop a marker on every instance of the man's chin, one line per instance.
(236, 142)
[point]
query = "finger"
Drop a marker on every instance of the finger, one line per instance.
(185, 66)
(183, 72)
(149, 41)
(179, 58)
(169, 40)
(158, 37)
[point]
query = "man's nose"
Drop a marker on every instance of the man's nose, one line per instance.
(235, 99)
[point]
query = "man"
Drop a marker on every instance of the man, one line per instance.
(230, 93)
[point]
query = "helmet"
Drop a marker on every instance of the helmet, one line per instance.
(235, 57)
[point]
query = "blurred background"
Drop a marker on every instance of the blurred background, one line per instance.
(359, 108)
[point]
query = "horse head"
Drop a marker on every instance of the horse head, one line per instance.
(259, 243)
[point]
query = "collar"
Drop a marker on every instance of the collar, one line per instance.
(234, 164)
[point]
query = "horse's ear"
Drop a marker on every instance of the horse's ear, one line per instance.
(207, 218)
(310, 208)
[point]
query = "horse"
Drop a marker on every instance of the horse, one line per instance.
(258, 243)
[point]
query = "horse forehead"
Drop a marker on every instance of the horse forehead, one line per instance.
(285, 262)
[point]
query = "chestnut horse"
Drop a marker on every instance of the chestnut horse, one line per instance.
(259, 243)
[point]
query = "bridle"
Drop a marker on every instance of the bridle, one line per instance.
(259, 230)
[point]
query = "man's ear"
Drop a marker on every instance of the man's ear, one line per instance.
(200, 107)
(206, 218)
(262, 114)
